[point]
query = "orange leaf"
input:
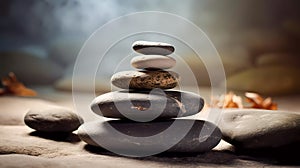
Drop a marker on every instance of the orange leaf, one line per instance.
(231, 100)
(258, 102)
(15, 87)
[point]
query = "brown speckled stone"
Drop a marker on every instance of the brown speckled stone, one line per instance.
(145, 80)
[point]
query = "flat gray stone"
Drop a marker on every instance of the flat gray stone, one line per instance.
(153, 62)
(153, 48)
(53, 119)
(145, 80)
(256, 129)
(145, 105)
(201, 136)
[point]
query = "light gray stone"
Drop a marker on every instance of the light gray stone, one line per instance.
(145, 80)
(153, 48)
(257, 129)
(153, 62)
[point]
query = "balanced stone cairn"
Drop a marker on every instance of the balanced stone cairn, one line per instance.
(146, 108)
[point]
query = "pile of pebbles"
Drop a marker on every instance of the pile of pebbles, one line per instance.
(145, 107)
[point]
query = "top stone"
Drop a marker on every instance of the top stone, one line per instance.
(153, 48)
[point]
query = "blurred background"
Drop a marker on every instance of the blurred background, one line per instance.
(258, 40)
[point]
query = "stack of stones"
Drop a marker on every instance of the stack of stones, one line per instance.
(146, 108)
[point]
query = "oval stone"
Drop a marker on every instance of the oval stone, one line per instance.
(153, 48)
(260, 129)
(145, 80)
(142, 105)
(53, 119)
(201, 137)
(153, 62)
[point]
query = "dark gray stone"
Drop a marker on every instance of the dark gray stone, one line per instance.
(53, 119)
(145, 104)
(201, 136)
(257, 129)
(153, 48)
(145, 80)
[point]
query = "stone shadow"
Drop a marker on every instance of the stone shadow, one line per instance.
(57, 136)
(211, 157)
(286, 155)
(282, 156)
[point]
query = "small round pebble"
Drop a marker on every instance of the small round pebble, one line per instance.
(53, 119)
(145, 80)
(153, 48)
(153, 62)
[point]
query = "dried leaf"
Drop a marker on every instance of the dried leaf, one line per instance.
(13, 86)
(253, 98)
(258, 102)
(231, 100)
(2, 91)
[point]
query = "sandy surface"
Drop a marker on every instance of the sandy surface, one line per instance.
(21, 146)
